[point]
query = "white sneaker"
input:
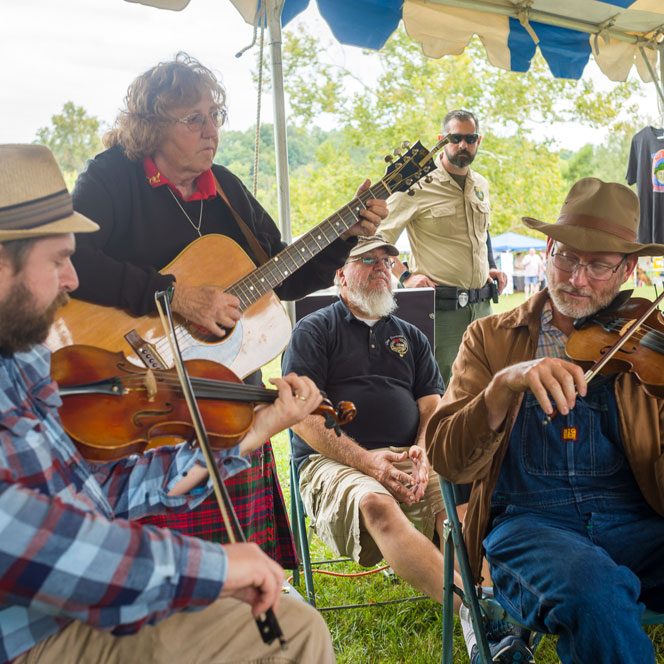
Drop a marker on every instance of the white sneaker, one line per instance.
(505, 643)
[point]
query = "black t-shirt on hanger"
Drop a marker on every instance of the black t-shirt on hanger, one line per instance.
(646, 168)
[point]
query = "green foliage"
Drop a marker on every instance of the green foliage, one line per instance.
(607, 162)
(73, 137)
(237, 148)
(409, 100)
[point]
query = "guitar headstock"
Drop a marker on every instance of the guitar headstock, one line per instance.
(409, 168)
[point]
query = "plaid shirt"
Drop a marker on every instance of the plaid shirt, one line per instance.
(68, 550)
(552, 341)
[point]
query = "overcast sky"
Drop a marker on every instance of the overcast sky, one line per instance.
(88, 51)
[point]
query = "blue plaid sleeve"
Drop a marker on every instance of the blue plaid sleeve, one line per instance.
(138, 485)
(58, 559)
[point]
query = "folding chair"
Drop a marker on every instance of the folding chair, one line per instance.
(480, 606)
(416, 306)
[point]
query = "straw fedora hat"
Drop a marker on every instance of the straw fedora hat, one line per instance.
(34, 200)
(598, 216)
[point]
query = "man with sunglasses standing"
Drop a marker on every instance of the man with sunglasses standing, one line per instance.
(367, 488)
(447, 223)
(568, 474)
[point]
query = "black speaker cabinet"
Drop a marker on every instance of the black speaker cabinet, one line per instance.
(416, 305)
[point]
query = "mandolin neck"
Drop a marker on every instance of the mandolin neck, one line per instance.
(268, 276)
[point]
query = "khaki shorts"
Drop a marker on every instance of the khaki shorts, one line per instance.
(332, 492)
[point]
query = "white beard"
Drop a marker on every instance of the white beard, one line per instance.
(576, 310)
(372, 302)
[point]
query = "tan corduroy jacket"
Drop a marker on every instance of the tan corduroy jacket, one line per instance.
(462, 447)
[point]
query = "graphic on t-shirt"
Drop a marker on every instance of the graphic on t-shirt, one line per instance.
(658, 171)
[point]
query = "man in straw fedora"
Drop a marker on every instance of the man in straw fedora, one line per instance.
(568, 476)
(79, 582)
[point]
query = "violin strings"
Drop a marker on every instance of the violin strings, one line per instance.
(655, 337)
(138, 380)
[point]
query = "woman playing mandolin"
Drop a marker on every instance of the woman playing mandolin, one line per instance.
(153, 192)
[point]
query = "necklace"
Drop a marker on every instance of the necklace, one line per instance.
(196, 227)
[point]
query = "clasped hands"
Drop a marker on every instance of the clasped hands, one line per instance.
(406, 487)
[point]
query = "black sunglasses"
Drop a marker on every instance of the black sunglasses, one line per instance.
(469, 138)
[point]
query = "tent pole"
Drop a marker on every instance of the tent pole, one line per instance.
(274, 8)
(658, 83)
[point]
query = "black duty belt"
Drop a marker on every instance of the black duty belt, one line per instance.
(450, 297)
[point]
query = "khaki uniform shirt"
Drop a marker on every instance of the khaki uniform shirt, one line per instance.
(447, 228)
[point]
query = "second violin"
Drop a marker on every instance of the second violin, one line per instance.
(112, 408)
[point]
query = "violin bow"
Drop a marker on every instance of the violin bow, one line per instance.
(268, 626)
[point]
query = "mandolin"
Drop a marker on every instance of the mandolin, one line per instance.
(264, 328)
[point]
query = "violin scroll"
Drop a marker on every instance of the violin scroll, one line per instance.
(337, 417)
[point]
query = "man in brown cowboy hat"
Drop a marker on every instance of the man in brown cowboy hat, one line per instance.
(79, 582)
(569, 511)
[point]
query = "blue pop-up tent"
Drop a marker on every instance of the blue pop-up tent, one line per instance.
(516, 242)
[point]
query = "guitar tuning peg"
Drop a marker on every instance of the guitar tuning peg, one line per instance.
(405, 145)
(389, 158)
(397, 152)
(428, 179)
(411, 192)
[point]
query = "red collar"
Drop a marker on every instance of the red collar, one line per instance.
(204, 182)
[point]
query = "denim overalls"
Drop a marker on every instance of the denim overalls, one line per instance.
(573, 544)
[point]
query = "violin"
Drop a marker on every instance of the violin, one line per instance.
(112, 408)
(626, 336)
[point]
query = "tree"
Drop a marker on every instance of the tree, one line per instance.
(73, 137)
(408, 101)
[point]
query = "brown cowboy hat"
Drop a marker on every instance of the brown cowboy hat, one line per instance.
(598, 216)
(34, 200)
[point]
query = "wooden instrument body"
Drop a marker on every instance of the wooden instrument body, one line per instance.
(212, 260)
(111, 426)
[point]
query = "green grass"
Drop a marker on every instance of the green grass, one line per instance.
(408, 632)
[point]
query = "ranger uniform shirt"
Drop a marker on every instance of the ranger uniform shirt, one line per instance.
(447, 228)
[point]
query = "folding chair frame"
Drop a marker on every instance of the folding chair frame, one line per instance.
(480, 607)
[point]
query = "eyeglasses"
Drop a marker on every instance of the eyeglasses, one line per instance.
(368, 260)
(469, 138)
(596, 271)
(196, 121)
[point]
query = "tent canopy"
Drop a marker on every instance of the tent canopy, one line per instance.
(619, 33)
(566, 31)
(516, 242)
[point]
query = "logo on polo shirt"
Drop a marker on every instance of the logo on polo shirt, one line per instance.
(398, 345)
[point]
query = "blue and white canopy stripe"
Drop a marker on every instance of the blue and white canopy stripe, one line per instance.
(566, 31)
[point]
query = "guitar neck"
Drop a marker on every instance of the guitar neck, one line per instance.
(268, 276)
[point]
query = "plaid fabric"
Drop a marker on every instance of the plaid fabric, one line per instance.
(64, 554)
(259, 504)
(551, 341)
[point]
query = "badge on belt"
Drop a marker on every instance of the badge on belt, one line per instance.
(462, 298)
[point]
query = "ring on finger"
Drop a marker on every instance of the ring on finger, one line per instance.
(301, 397)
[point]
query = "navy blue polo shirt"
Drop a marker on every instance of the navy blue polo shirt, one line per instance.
(382, 369)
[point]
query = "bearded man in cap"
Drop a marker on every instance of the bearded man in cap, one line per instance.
(568, 507)
(365, 489)
(79, 582)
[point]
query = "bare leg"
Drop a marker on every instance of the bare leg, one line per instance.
(410, 554)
